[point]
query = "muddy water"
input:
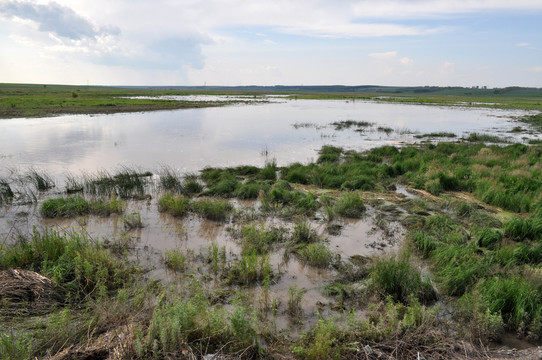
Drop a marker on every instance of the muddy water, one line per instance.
(191, 139)
(192, 233)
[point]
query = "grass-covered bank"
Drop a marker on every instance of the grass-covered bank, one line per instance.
(21, 100)
(467, 271)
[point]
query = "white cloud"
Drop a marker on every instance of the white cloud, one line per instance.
(418, 9)
(384, 55)
(523, 44)
(57, 19)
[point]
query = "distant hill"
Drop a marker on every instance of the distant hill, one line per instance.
(362, 89)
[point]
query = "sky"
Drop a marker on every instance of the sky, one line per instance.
(493, 43)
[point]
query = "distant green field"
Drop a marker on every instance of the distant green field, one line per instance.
(35, 100)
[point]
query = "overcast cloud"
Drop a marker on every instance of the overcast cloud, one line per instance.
(239, 42)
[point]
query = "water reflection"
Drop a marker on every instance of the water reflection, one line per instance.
(226, 136)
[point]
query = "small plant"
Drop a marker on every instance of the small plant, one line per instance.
(191, 185)
(213, 209)
(350, 205)
(304, 234)
(170, 180)
(6, 194)
(295, 298)
(132, 221)
(258, 239)
(65, 207)
(315, 255)
(399, 279)
(40, 179)
(176, 260)
(174, 205)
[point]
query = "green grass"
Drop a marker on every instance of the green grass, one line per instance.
(26, 100)
(251, 189)
(436, 134)
(127, 184)
(259, 239)
(175, 205)
(6, 193)
(195, 325)
(400, 280)
(41, 180)
(213, 209)
(176, 260)
(73, 206)
(317, 255)
(65, 207)
(82, 267)
(350, 205)
(132, 221)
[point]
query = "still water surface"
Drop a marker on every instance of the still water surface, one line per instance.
(188, 140)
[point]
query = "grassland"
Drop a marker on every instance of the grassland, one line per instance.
(19, 100)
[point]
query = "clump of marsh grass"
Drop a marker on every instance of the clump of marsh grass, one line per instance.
(175, 205)
(73, 206)
(41, 180)
(250, 268)
(197, 326)
(6, 193)
(81, 266)
(213, 209)
(251, 189)
(74, 184)
(317, 255)
(126, 184)
(132, 221)
(398, 278)
(176, 260)
(486, 138)
(350, 205)
(191, 185)
(329, 154)
(295, 299)
(259, 239)
(170, 180)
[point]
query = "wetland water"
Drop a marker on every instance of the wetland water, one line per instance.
(249, 134)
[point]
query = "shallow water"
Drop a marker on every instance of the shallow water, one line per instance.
(249, 134)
